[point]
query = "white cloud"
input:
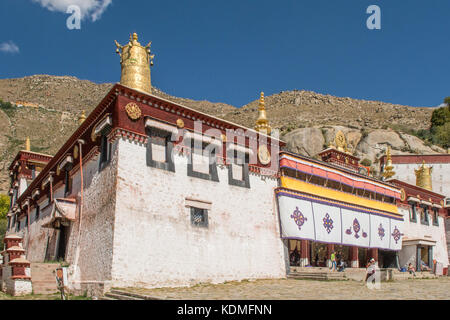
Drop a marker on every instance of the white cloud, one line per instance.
(89, 8)
(9, 47)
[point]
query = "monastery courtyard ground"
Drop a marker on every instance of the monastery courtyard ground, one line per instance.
(291, 289)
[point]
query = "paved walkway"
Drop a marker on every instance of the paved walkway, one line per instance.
(291, 289)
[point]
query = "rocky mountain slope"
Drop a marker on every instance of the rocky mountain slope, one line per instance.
(308, 121)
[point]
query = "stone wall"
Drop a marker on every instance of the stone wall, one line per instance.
(155, 244)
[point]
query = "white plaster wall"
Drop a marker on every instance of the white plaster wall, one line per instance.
(407, 255)
(36, 247)
(89, 254)
(155, 244)
(431, 232)
(19, 287)
(440, 176)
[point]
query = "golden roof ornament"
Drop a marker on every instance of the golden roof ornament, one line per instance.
(27, 144)
(262, 124)
(135, 61)
(341, 142)
(423, 177)
(82, 117)
(388, 168)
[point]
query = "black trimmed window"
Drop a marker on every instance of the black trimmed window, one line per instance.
(413, 212)
(105, 152)
(436, 217)
(38, 212)
(202, 161)
(159, 149)
(67, 183)
(199, 217)
(424, 217)
(238, 173)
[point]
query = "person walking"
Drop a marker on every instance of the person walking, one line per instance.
(333, 261)
(370, 270)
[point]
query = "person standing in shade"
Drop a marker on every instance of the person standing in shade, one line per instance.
(333, 261)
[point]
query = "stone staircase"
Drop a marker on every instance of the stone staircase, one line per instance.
(43, 278)
(124, 295)
(319, 275)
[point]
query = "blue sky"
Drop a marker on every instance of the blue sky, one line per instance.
(229, 51)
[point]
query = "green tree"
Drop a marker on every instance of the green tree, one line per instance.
(4, 208)
(443, 135)
(440, 117)
(447, 102)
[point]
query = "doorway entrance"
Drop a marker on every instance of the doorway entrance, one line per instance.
(63, 236)
(318, 254)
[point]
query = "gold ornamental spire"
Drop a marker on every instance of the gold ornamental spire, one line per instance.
(262, 124)
(82, 117)
(388, 168)
(423, 177)
(135, 61)
(27, 144)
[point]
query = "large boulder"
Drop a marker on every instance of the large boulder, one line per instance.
(305, 141)
(374, 144)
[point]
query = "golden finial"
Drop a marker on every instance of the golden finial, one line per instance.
(423, 177)
(388, 168)
(82, 117)
(135, 61)
(262, 124)
(27, 144)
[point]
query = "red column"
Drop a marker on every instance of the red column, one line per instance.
(304, 253)
(373, 253)
(354, 257)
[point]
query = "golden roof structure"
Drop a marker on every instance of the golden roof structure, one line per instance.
(423, 177)
(27, 144)
(262, 124)
(135, 61)
(388, 168)
(82, 117)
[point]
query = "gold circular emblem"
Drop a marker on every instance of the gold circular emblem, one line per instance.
(223, 137)
(58, 170)
(403, 195)
(263, 154)
(442, 203)
(133, 111)
(180, 123)
(75, 152)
